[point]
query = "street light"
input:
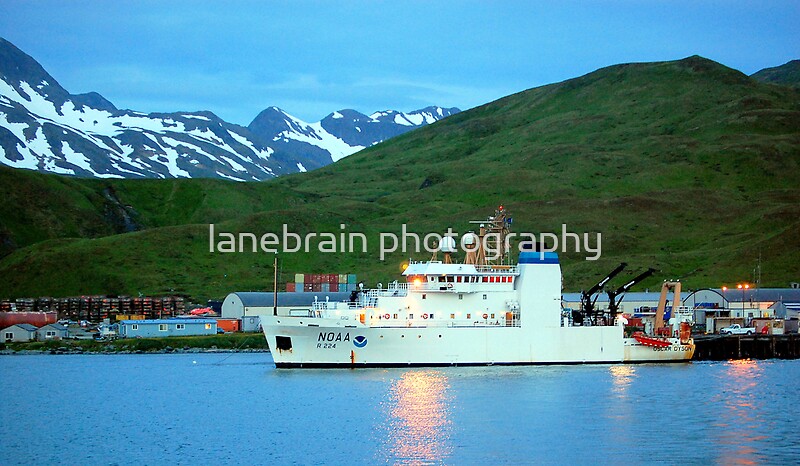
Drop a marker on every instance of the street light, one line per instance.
(743, 287)
(724, 299)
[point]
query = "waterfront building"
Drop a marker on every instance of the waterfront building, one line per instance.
(52, 332)
(155, 328)
(19, 332)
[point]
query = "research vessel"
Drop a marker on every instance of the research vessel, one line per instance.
(472, 313)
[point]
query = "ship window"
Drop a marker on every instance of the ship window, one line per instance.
(485, 279)
(441, 279)
(411, 316)
(431, 316)
(484, 296)
(458, 279)
(450, 278)
(460, 296)
(395, 316)
(492, 316)
(452, 316)
(469, 316)
(431, 279)
(424, 295)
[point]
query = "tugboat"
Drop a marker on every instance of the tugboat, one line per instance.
(479, 312)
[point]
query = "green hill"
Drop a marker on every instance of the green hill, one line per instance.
(787, 74)
(688, 166)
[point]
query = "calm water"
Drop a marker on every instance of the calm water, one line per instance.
(237, 408)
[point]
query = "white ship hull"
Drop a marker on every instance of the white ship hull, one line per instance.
(327, 343)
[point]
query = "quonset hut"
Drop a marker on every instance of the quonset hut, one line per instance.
(240, 304)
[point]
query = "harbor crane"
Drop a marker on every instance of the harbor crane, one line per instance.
(615, 296)
(588, 298)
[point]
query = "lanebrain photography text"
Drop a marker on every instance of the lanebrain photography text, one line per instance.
(408, 242)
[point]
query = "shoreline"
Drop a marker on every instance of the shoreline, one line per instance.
(220, 343)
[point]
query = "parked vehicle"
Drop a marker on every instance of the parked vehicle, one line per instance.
(737, 329)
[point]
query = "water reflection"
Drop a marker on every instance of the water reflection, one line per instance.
(621, 377)
(418, 428)
(739, 422)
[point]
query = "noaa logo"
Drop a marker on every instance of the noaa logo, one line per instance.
(360, 341)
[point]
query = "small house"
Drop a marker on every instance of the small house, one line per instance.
(51, 332)
(156, 328)
(19, 332)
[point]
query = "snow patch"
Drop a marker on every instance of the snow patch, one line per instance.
(197, 117)
(301, 167)
(233, 178)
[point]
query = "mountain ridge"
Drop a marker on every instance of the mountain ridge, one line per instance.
(43, 127)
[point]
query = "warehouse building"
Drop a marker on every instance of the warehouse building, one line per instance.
(250, 303)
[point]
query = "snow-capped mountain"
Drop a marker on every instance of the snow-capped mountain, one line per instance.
(341, 133)
(43, 127)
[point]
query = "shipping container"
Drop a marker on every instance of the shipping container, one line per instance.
(333, 279)
(291, 287)
(308, 287)
(229, 325)
(316, 287)
(351, 278)
(308, 278)
(342, 278)
(326, 287)
(299, 278)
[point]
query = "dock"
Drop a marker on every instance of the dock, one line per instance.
(725, 347)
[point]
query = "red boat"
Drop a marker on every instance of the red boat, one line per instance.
(651, 341)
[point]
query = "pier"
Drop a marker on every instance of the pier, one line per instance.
(724, 347)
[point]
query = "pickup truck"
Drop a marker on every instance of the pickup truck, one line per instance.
(737, 329)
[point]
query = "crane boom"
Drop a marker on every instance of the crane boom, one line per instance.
(613, 302)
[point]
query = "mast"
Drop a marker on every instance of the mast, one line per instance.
(275, 286)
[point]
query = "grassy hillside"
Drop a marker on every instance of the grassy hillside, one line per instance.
(787, 74)
(689, 167)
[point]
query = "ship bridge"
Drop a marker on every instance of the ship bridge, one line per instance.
(459, 278)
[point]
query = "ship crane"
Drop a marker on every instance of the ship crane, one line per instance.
(615, 297)
(588, 298)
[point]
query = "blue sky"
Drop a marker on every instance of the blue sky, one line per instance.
(312, 57)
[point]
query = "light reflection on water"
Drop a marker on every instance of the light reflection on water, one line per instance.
(418, 427)
(167, 409)
(740, 419)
